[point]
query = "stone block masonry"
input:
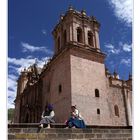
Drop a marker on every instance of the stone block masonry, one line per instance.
(90, 133)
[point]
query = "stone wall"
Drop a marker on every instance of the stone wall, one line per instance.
(115, 98)
(86, 76)
(95, 133)
(58, 75)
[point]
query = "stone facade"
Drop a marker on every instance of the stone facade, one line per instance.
(75, 75)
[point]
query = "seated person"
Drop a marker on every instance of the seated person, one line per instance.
(75, 120)
(47, 116)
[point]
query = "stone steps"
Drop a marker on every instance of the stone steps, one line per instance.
(70, 134)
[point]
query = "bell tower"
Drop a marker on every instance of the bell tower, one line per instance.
(80, 67)
(78, 29)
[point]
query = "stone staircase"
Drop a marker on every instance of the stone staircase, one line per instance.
(29, 132)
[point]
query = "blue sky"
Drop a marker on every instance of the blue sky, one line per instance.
(30, 23)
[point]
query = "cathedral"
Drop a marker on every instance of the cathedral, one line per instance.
(75, 75)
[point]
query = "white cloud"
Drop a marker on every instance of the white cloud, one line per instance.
(12, 88)
(127, 47)
(12, 77)
(111, 49)
(13, 69)
(30, 57)
(12, 84)
(11, 98)
(109, 46)
(18, 65)
(22, 63)
(28, 47)
(121, 47)
(44, 31)
(127, 62)
(123, 10)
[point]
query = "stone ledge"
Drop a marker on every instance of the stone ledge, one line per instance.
(74, 131)
(56, 136)
(29, 132)
(65, 134)
(62, 125)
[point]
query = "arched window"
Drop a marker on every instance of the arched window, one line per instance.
(58, 43)
(65, 36)
(79, 35)
(90, 38)
(60, 88)
(97, 93)
(98, 111)
(116, 109)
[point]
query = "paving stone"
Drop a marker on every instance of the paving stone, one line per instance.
(115, 131)
(11, 136)
(42, 136)
(62, 130)
(89, 135)
(68, 136)
(15, 130)
(77, 136)
(29, 130)
(50, 136)
(100, 131)
(99, 135)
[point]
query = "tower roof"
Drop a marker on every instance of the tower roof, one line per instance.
(71, 12)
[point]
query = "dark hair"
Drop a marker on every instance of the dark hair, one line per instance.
(73, 106)
(46, 107)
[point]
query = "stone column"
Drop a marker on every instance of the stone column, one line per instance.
(84, 34)
(74, 32)
(94, 41)
(70, 33)
(129, 112)
(97, 41)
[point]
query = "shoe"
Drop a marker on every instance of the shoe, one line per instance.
(48, 126)
(41, 125)
(73, 127)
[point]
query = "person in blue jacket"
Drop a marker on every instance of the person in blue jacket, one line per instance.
(75, 119)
